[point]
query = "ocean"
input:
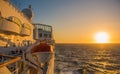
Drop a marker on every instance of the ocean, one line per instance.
(87, 59)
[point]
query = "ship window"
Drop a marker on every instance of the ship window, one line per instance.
(40, 35)
(39, 30)
(49, 29)
(44, 27)
(49, 35)
(41, 27)
(45, 35)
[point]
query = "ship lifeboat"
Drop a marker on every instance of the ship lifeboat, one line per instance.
(11, 25)
(26, 30)
(42, 47)
(39, 53)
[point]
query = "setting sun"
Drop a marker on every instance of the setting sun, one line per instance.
(102, 37)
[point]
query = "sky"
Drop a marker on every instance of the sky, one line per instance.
(77, 21)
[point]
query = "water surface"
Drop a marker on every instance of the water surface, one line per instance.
(87, 58)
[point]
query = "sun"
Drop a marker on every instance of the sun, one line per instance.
(102, 37)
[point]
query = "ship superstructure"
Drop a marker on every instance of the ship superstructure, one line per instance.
(25, 48)
(15, 28)
(43, 32)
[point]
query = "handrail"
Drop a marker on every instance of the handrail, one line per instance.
(8, 56)
(13, 60)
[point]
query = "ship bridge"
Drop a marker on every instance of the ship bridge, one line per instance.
(43, 32)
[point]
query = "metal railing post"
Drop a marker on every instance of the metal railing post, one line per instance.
(17, 68)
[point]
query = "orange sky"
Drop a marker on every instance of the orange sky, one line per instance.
(80, 24)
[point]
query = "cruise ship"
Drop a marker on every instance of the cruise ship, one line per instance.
(25, 47)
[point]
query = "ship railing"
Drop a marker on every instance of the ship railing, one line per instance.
(8, 61)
